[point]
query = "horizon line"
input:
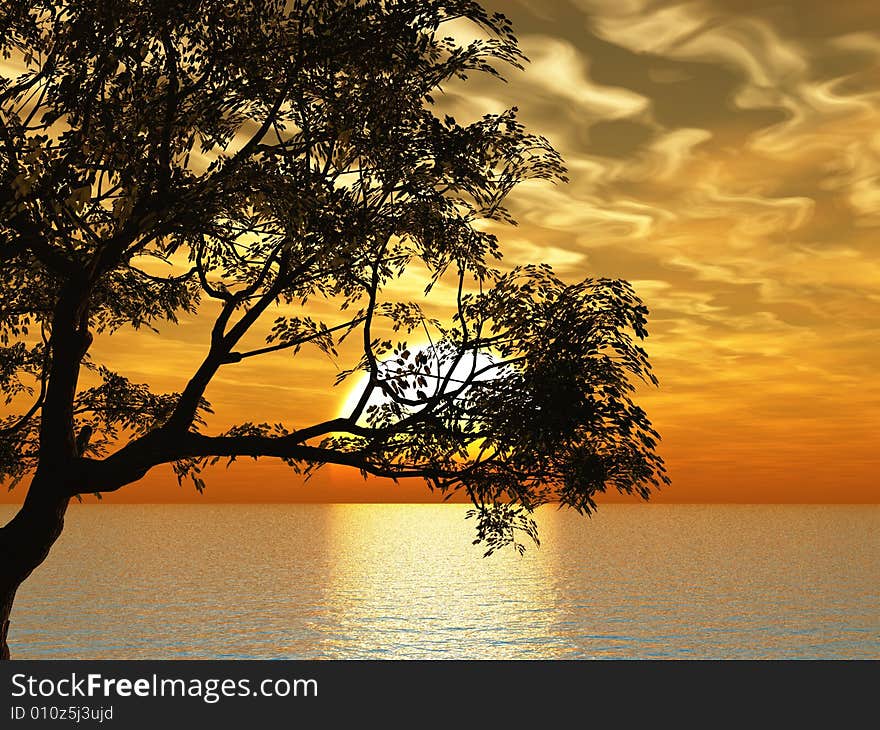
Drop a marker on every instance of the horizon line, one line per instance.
(100, 503)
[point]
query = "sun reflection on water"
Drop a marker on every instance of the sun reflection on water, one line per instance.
(439, 596)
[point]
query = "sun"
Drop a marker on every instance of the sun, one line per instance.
(480, 362)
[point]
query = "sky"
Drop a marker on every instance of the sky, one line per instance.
(724, 157)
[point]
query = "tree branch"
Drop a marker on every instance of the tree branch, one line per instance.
(234, 357)
(222, 342)
(138, 457)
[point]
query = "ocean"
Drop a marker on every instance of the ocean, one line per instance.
(405, 582)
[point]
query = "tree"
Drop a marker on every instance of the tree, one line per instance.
(280, 152)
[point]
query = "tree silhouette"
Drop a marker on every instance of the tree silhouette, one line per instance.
(283, 152)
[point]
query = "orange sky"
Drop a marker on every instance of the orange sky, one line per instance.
(724, 156)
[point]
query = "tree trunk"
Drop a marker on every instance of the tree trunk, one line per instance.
(25, 542)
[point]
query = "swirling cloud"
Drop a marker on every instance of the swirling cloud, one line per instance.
(742, 196)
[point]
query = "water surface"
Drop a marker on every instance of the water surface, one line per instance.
(403, 581)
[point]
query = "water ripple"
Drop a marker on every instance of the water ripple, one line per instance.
(403, 581)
